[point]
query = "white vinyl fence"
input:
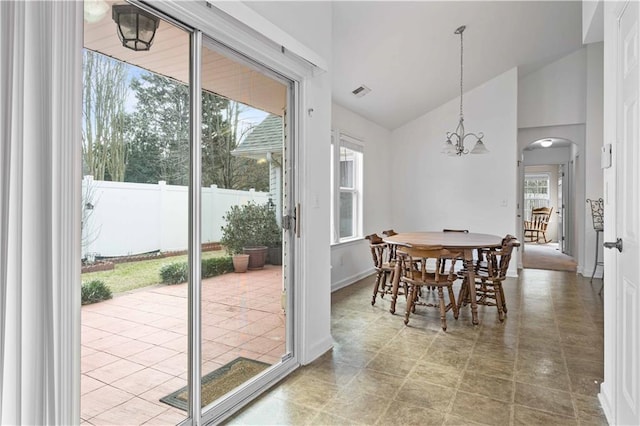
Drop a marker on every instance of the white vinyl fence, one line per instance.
(121, 218)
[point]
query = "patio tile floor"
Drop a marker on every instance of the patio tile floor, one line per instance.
(134, 346)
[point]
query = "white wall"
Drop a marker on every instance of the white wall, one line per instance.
(564, 99)
(578, 205)
(555, 94)
(352, 261)
(546, 156)
(594, 182)
(592, 21)
(310, 23)
(432, 191)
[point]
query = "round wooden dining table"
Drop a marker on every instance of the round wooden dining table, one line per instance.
(467, 242)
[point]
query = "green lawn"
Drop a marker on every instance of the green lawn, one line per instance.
(132, 275)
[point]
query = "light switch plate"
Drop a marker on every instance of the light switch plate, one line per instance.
(605, 156)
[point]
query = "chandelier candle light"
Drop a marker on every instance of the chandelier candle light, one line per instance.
(455, 141)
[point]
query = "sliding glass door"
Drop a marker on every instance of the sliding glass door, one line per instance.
(244, 323)
(188, 151)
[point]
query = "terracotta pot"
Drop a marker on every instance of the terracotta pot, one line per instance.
(240, 262)
(257, 256)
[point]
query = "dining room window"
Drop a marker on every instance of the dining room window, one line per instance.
(346, 187)
(536, 193)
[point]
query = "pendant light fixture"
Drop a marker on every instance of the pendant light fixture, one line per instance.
(136, 28)
(454, 144)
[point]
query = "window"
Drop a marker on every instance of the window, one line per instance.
(536, 193)
(346, 188)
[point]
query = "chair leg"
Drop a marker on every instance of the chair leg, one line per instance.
(504, 301)
(412, 293)
(443, 309)
(383, 284)
(452, 301)
(497, 293)
(376, 287)
(463, 295)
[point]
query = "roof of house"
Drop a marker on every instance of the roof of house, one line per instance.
(265, 137)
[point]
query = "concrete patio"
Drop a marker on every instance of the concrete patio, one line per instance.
(134, 346)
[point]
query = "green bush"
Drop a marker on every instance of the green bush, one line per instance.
(250, 225)
(174, 273)
(178, 272)
(216, 266)
(95, 291)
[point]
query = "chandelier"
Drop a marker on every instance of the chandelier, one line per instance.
(455, 141)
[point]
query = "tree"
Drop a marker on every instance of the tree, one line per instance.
(222, 132)
(160, 131)
(104, 148)
(159, 138)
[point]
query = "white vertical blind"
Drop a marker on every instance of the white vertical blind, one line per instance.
(40, 90)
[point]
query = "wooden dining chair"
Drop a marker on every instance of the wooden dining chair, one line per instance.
(416, 278)
(384, 265)
(490, 272)
(462, 231)
(389, 233)
(392, 248)
(536, 228)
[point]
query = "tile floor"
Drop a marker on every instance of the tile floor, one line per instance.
(542, 366)
(134, 346)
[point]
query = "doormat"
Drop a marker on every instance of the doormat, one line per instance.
(219, 382)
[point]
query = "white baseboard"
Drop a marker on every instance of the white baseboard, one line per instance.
(317, 350)
(350, 280)
(605, 403)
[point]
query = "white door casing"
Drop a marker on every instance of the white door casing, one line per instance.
(620, 392)
(627, 218)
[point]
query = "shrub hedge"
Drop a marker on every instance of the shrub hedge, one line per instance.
(178, 272)
(216, 266)
(95, 291)
(174, 273)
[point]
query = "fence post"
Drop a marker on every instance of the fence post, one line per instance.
(162, 187)
(214, 220)
(87, 205)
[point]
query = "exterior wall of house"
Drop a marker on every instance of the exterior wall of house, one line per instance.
(475, 192)
(352, 261)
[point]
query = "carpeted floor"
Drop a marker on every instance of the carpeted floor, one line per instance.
(547, 256)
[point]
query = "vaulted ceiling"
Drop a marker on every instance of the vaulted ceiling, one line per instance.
(405, 52)
(408, 55)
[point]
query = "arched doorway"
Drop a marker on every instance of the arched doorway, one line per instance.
(549, 174)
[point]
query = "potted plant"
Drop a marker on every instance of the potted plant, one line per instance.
(249, 229)
(274, 242)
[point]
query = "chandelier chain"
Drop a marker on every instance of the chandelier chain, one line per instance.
(454, 145)
(461, 71)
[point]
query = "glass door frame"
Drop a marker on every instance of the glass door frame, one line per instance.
(289, 362)
(293, 74)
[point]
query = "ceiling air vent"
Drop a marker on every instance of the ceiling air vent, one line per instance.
(361, 91)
